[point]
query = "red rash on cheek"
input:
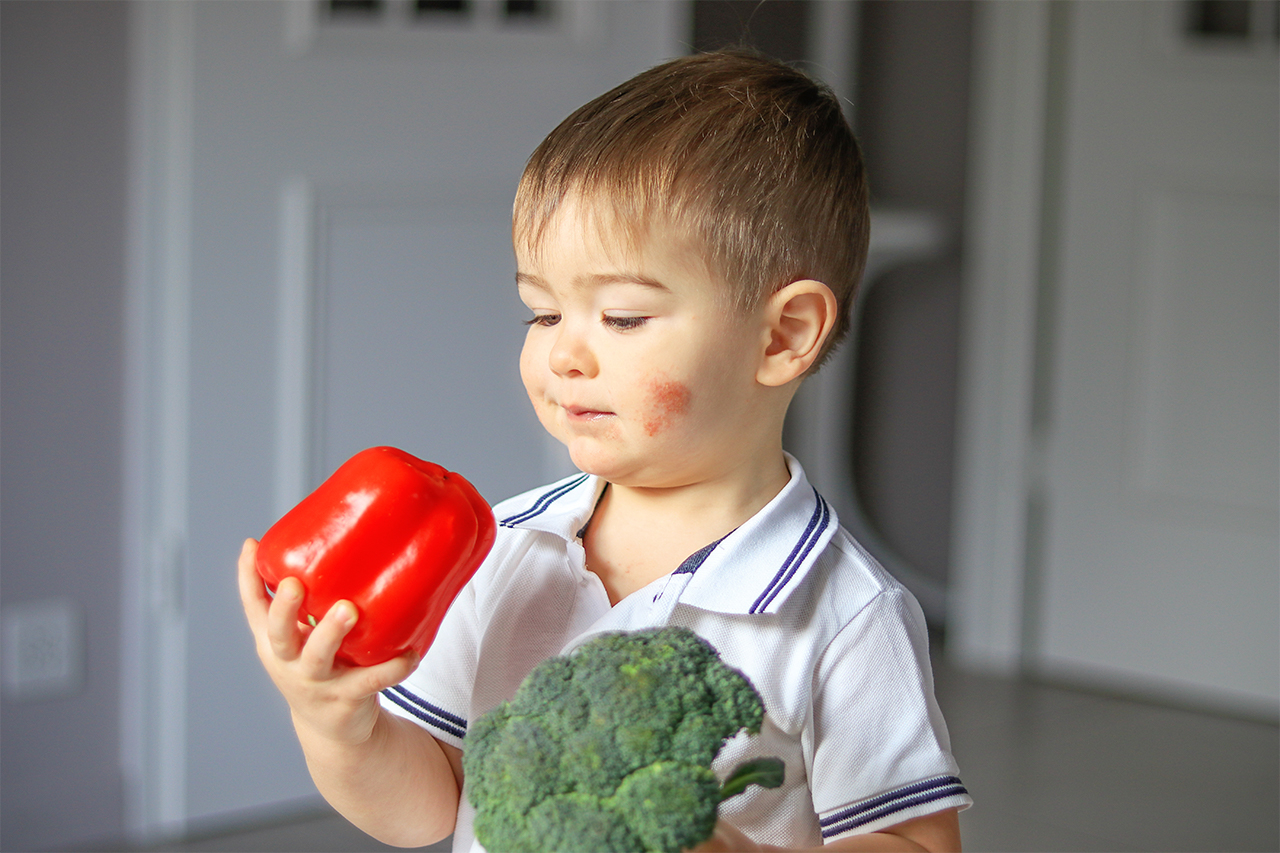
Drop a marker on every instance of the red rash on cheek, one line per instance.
(669, 399)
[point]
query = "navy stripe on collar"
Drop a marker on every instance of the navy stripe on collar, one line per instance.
(544, 502)
(817, 524)
(894, 801)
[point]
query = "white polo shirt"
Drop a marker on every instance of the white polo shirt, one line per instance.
(836, 647)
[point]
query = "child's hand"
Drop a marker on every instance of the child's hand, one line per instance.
(331, 700)
(727, 839)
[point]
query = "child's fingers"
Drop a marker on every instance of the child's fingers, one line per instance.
(375, 679)
(282, 620)
(252, 594)
(323, 643)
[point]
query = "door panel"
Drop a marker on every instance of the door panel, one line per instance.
(1161, 551)
(380, 261)
(1205, 391)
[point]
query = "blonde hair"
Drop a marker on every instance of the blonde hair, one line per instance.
(751, 157)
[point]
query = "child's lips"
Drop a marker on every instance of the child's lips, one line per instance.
(585, 414)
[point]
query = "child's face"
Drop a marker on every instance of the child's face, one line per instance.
(632, 358)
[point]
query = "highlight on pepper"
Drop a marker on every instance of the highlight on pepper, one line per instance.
(395, 535)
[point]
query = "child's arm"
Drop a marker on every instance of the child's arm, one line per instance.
(386, 775)
(935, 833)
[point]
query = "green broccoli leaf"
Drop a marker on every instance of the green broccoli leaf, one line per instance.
(765, 772)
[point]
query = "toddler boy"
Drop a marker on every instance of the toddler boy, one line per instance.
(688, 245)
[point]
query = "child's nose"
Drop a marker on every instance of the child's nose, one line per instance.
(571, 355)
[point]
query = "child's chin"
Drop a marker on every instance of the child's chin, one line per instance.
(590, 463)
(591, 460)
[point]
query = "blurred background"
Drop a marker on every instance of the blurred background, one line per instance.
(242, 240)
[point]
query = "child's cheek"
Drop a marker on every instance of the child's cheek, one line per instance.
(668, 400)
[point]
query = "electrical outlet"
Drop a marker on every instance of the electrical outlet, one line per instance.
(43, 649)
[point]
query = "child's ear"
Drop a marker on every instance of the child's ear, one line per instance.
(800, 317)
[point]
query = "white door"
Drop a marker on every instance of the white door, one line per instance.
(325, 265)
(1159, 567)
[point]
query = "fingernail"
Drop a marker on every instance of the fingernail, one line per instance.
(347, 614)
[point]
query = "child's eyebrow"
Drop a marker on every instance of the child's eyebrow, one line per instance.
(595, 280)
(527, 280)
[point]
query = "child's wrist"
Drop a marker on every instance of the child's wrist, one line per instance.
(345, 732)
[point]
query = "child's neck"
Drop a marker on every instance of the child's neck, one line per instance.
(637, 535)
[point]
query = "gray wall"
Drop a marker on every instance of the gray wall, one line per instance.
(62, 226)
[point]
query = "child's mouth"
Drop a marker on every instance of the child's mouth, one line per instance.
(582, 414)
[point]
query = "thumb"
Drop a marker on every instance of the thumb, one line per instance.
(374, 679)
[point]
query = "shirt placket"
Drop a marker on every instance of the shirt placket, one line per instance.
(591, 602)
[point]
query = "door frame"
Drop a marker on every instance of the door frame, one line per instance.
(157, 346)
(1010, 169)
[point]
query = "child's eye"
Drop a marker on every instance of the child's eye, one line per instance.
(543, 320)
(624, 323)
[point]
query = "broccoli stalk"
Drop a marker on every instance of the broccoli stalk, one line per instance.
(610, 749)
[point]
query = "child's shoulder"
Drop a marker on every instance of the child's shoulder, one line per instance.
(852, 578)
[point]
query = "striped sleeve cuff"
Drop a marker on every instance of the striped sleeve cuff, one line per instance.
(435, 717)
(901, 804)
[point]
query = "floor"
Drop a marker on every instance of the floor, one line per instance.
(1050, 769)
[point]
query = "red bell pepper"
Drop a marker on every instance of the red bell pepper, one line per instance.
(395, 535)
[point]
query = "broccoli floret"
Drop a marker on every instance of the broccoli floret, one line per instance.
(610, 748)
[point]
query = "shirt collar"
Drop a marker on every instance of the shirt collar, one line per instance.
(754, 569)
(758, 566)
(563, 508)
